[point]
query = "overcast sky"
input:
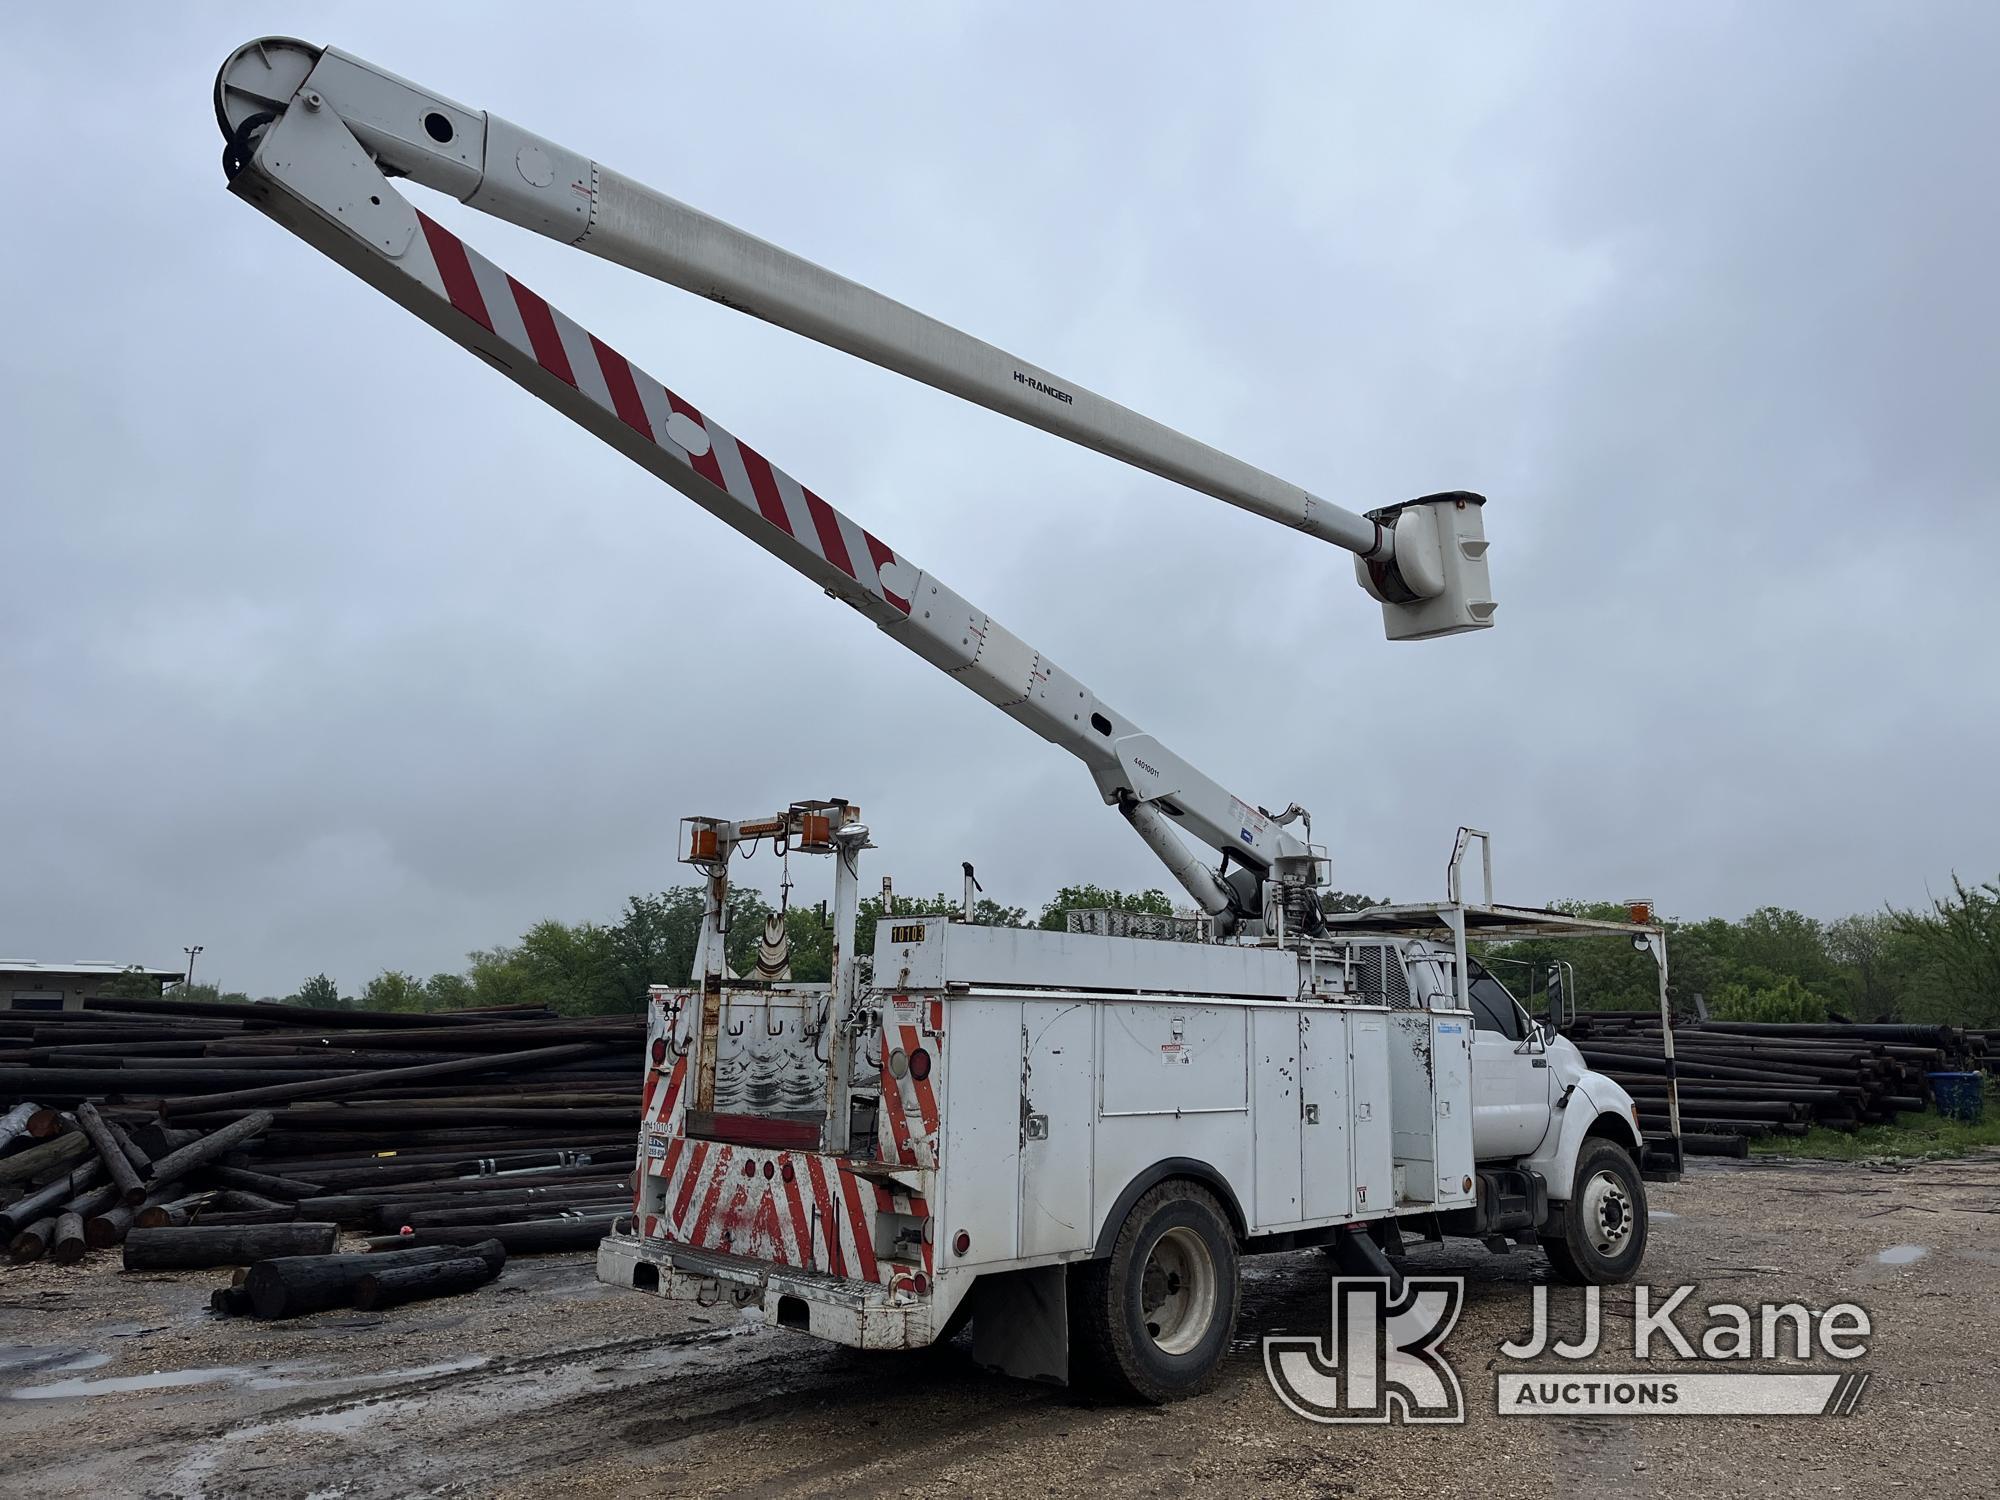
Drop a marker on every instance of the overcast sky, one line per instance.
(325, 647)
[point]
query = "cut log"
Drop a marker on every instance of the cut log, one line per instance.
(32, 1243)
(87, 1205)
(201, 1245)
(51, 1197)
(357, 1083)
(280, 1213)
(229, 1301)
(531, 1237)
(441, 1278)
(292, 1286)
(289, 1188)
(236, 1201)
(15, 1123)
(110, 1153)
(45, 1123)
(397, 1184)
(558, 1124)
(67, 1245)
(129, 1083)
(430, 1218)
(51, 1156)
(178, 1164)
(142, 1162)
(262, 1012)
(159, 1140)
(103, 1230)
(173, 1215)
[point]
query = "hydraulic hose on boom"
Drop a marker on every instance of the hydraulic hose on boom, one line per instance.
(314, 137)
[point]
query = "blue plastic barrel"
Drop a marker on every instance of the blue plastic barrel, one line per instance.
(1959, 1096)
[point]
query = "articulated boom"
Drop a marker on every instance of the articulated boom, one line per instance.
(314, 137)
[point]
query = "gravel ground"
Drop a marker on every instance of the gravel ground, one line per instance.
(125, 1384)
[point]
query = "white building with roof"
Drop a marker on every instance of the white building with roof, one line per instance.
(27, 985)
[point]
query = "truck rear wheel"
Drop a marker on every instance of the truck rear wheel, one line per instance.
(1154, 1319)
(1604, 1223)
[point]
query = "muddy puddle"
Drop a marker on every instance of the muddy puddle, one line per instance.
(267, 1377)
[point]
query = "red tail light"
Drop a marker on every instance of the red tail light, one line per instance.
(659, 1050)
(920, 1065)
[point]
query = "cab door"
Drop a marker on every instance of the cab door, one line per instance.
(1510, 1073)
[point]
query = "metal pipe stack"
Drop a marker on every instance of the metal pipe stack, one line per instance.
(219, 1117)
(1742, 1080)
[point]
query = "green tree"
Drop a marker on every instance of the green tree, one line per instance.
(393, 990)
(1954, 956)
(448, 992)
(319, 993)
(134, 983)
(986, 912)
(571, 969)
(1602, 973)
(1784, 942)
(1764, 996)
(811, 937)
(206, 994)
(1701, 959)
(497, 977)
(1055, 911)
(655, 941)
(1349, 901)
(1871, 958)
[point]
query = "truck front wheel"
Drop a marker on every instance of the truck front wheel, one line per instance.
(1155, 1318)
(1603, 1236)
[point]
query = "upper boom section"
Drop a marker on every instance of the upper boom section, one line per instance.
(1424, 560)
(309, 172)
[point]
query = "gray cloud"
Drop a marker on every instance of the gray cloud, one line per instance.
(328, 649)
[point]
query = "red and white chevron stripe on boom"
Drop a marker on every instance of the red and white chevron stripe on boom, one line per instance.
(741, 486)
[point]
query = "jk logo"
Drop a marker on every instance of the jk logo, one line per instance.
(1381, 1362)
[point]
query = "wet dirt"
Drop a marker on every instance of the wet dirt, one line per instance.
(116, 1384)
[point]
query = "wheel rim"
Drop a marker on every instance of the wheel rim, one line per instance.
(1178, 1292)
(1608, 1214)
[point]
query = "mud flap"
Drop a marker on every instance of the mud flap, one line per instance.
(1020, 1324)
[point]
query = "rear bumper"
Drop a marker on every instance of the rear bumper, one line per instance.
(859, 1314)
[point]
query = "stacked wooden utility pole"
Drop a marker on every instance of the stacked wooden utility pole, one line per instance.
(1743, 1080)
(185, 1131)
